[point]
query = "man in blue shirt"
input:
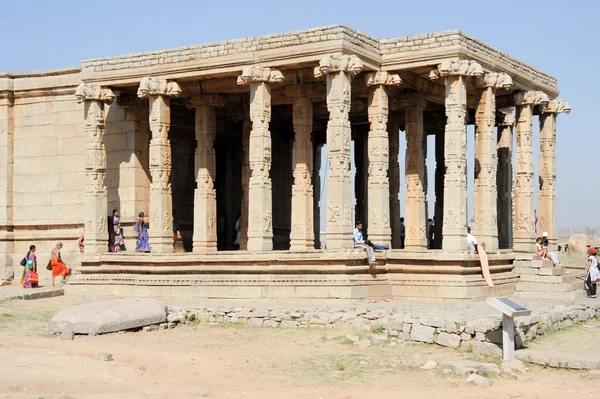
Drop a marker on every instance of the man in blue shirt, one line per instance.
(359, 242)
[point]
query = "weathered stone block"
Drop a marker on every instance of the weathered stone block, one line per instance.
(421, 333)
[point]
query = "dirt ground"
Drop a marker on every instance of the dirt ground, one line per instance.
(196, 361)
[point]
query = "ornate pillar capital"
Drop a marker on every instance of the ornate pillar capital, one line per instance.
(505, 118)
(338, 63)
(212, 100)
(557, 106)
(85, 92)
(456, 68)
(382, 78)
(495, 80)
(531, 98)
(150, 86)
(259, 74)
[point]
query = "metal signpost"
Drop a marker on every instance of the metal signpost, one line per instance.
(509, 310)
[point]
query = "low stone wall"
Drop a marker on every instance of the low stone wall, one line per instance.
(482, 335)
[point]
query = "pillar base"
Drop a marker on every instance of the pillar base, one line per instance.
(161, 245)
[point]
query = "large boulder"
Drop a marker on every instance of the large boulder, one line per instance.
(109, 316)
(578, 243)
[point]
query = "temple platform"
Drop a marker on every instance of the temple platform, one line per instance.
(424, 275)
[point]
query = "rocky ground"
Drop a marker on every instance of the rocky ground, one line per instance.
(236, 361)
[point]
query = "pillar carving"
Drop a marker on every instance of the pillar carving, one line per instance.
(260, 223)
(504, 179)
(159, 91)
(95, 230)
(6, 180)
(524, 225)
(485, 226)
(416, 207)
(302, 235)
(339, 70)
(547, 169)
(394, 182)
(378, 156)
(246, 128)
(455, 73)
(205, 196)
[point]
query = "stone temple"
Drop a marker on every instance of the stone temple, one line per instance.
(238, 127)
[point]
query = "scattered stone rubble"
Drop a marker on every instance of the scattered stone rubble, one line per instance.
(481, 335)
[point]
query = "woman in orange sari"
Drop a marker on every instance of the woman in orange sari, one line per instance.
(58, 266)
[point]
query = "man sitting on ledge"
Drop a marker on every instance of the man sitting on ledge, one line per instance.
(359, 242)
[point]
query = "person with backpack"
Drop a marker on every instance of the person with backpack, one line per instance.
(592, 274)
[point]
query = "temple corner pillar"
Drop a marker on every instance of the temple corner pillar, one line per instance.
(6, 179)
(260, 206)
(455, 73)
(524, 224)
(378, 156)
(547, 169)
(339, 71)
(96, 203)
(159, 91)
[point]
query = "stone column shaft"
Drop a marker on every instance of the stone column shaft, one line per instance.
(161, 203)
(504, 179)
(260, 223)
(455, 183)
(378, 156)
(205, 196)
(302, 236)
(524, 225)
(547, 170)
(247, 127)
(6, 179)
(416, 213)
(394, 182)
(339, 70)
(95, 229)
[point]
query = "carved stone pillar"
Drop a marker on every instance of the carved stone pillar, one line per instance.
(485, 226)
(416, 212)
(6, 180)
(95, 230)
(440, 172)
(524, 225)
(504, 179)
(339, 70)
(302, 236)
(161, 203)
(361, 177)
(378, 156)
(246, 128)
(205, 196)
(394, 182)
(260, 223)
(455, 182)
(547, 169)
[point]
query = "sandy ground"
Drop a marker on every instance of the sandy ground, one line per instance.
(195, 361)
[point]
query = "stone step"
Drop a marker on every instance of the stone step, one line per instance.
(552, 271)
(527, 278)
(558, 296)
(521, 270)
(546, 287)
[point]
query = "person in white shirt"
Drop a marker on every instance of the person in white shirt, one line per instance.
(359, 242)
(471, 241)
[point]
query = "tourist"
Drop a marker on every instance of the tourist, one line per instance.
(59, 268)
(592, 274)
(30, 276)
(471, 241)
(115, 233)
(540, 250)
(140, 227)
(221, 227)
(359, 242)
(238, 231)
(402, 233)
(175, 227)
(80, 243)
(430, 231)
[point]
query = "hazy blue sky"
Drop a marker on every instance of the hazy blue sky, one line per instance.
(558, 37)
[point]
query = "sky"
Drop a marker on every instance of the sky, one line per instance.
(557, 37)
